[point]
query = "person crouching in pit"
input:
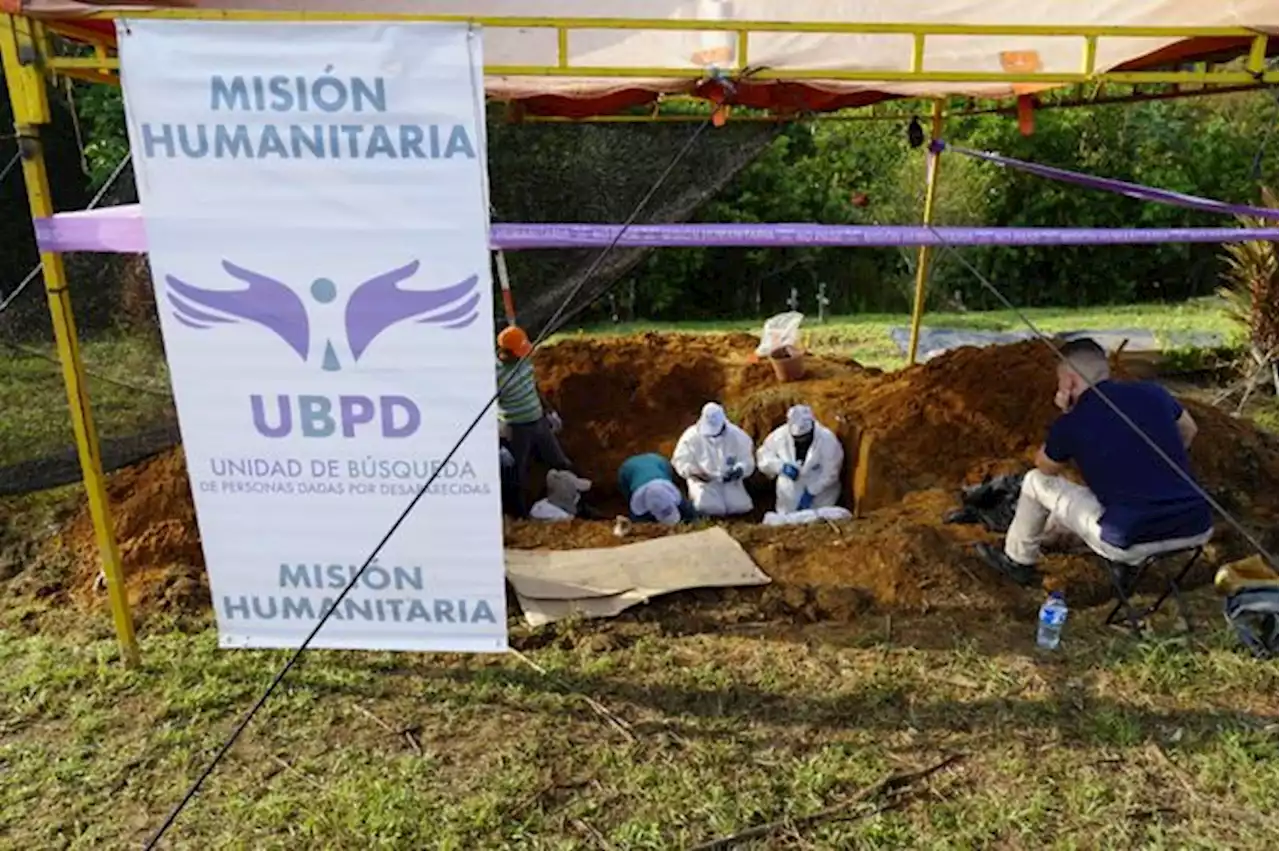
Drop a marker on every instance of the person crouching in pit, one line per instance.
(648, 483)
(713, 456)
(805, 457)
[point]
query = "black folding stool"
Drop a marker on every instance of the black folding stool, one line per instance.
(1125, 579)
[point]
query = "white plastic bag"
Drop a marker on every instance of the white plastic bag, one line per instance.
(781, 331)
(834, 513)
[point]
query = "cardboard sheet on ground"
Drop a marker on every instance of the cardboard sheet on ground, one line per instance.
(555, 584)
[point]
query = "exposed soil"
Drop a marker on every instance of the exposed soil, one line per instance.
(951, 420)
(912, 436)
(156, 532)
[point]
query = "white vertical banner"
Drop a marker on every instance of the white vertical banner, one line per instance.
(315, 204)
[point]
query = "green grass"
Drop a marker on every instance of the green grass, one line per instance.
(36, 421)
(1113, 744)
(865, 337)
(33, 397)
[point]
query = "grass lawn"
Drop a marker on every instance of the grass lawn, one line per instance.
(1111, 744)
(642, 733)
(865, 337)
(35, 419)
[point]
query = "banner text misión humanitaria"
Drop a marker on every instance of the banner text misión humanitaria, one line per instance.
(308, 135)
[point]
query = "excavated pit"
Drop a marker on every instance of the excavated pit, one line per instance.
(911, 438)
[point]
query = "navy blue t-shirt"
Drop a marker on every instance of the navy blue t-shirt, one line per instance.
(1143, 500)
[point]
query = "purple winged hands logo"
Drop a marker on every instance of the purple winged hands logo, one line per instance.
(373, 306)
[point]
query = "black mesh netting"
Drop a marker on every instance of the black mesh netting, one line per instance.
(598, 174)
(538, 173)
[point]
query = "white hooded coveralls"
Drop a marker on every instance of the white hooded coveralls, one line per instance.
(820, 472)
(710, 448)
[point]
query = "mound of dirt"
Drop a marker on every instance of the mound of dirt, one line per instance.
(156, 532)
(625, 396)
(954, 419)
(913, 436)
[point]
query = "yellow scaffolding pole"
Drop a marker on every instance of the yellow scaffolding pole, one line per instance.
(916, 72)
(19, 50)
(933, 165)
(526, 22)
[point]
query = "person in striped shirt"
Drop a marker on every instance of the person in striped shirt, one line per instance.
(523, 416)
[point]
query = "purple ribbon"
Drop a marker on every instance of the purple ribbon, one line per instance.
(513, 237)
(121, 230)
(1107, 184)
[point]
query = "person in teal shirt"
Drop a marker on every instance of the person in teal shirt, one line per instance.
(648, 482)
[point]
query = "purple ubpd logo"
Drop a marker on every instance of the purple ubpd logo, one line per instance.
(373, 306)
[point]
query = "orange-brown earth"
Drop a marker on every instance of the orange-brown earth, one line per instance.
(913, 435)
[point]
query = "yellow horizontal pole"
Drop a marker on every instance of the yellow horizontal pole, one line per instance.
(87, 76)
(92, 63)
(60, 64)
(692, 25)
(69, 30)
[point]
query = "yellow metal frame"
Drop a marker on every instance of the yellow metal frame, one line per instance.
(933, 165)
(919, 34)
(19, 47)
(27, 55)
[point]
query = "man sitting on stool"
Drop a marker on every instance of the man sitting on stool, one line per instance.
(1134, 504)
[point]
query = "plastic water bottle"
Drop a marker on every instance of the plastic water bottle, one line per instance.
(1053, 616)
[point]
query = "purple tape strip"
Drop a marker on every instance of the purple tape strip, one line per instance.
(515, 237)
(120, 230)
(112, 230)
(1106, 184)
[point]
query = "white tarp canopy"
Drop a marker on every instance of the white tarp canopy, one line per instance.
(811, 52)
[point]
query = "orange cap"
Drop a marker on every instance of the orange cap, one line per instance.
(513, 339)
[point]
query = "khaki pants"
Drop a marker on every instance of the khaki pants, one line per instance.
(1050, 502)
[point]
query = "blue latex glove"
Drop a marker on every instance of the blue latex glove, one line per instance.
(791, 471)
(806, 501)
(735, 473)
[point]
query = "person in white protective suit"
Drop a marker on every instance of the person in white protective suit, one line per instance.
(805, 457)
(713, 456)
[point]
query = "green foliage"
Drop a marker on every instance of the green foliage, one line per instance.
(1250, 279)
(101, 110)
(1113, 744)
(1185, 146)
(1205, 147)
(811, 173)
